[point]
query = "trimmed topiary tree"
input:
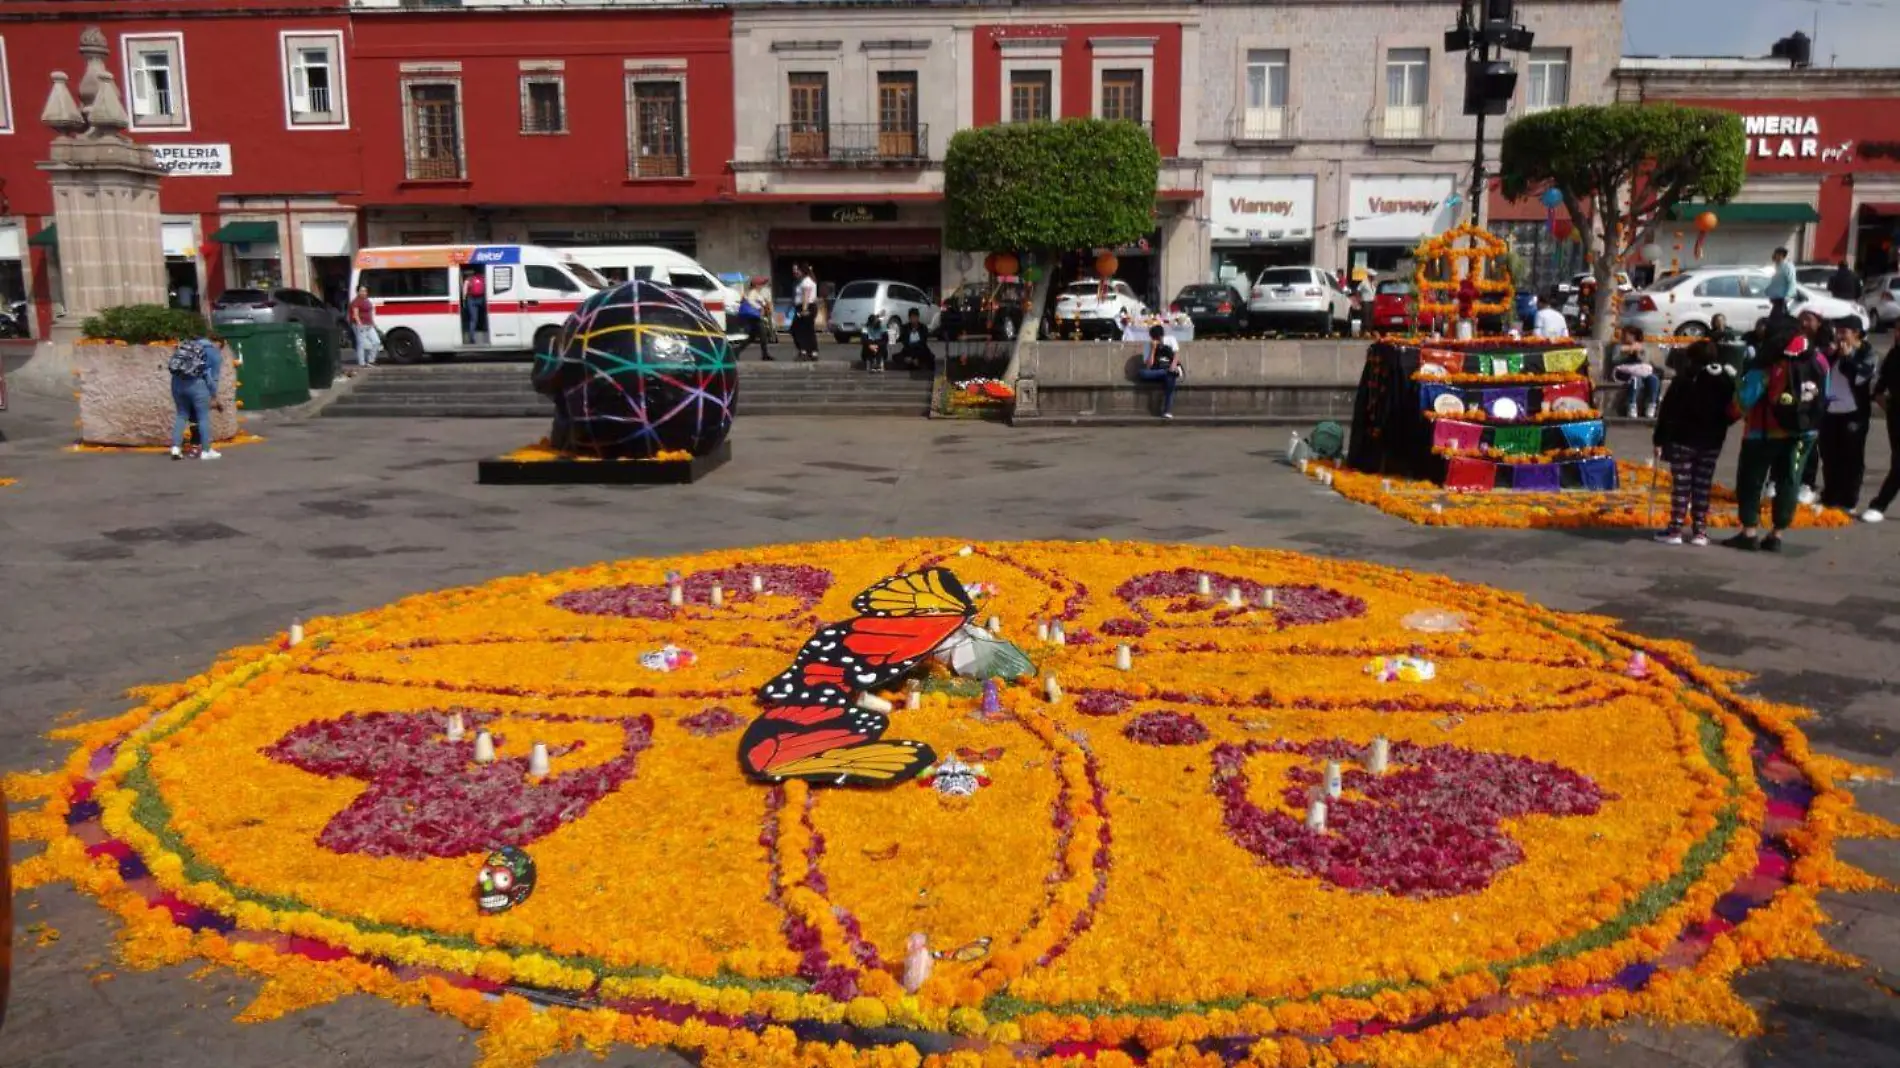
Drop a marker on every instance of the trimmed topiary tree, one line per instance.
(143, 324)
(1629, 164)
(1047, 188)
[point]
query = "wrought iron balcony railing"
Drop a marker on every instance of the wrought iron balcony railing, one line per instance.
(851, 142)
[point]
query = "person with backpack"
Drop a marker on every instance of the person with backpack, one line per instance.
(1781, 401)
(1849, 415)
(195, 365)
(1691, 427)
(1885, 393)
(753, 308)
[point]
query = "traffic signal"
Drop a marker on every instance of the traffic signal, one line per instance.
(1489, 86)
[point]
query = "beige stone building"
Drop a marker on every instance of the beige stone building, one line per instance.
(1332, 131)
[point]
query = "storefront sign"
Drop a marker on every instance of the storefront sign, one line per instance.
(1792, 137)
(853, 213)
(683, 240)
(1261, 210)
(1399, 208)
(194, 160)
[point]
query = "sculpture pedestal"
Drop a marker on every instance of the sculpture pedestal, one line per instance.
(105, 198)
(575, 472)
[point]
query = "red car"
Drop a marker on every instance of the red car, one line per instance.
(1394, 306)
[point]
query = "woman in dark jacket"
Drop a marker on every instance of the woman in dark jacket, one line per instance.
(1885, 392)
(1691, 426)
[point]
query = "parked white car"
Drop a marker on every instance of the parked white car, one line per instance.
(622, 263)
(1307, 296)
(858, 301)
(1087, 306)
(1738, 293)
(1881, 298)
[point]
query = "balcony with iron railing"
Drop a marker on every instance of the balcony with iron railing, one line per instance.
(655, 164)
(852, 144)
(1265, 126)
(434, 166)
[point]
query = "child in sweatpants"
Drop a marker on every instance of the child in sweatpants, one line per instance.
(1691, 426)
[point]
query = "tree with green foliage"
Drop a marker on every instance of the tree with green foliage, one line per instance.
(1620, 169)
(1045, 188)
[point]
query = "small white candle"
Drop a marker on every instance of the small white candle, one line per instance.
(1385, 484)
(996, 626)
(758, 584)
(1302, 467)
(1204, 585)
(1380, 756)
(538, 760)
(484, 748)
(1051, 689)
(676, 595)
(1316, 815)
(1266, 597)
(965, 551)
(1334, 780)
(1233, 597)
(913, 700)
(1124, 658)
(717, 596)
(1042, 631)
(456, 729)
(871, 702)
(1058, 636)
(1438, 509)
(296, 632)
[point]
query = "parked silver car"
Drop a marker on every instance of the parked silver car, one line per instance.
(890, 301)
(1881, 298)
(1304, 296)
(274, 306)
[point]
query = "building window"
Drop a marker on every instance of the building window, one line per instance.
(897, 114)
(1121, 94)
(810, 112)
(1030, 93)
(6, 92)
(1264, 118)
(434, 128)
(656, 119)
(1550, 79)
(1406, 70)
(155, 73)
(313, 75)
(543, 104)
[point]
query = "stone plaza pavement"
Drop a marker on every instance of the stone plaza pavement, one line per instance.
(119, 570)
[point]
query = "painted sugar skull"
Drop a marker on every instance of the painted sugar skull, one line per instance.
(640, 369)
(506, 879)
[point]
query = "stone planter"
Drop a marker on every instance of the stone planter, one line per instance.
(125, 395)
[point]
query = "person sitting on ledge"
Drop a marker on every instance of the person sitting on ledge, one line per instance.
(1162, 363)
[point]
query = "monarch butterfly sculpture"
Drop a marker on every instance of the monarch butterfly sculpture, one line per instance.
(814, 727)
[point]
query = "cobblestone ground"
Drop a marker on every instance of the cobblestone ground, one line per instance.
(118, 570)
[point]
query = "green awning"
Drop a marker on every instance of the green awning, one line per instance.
(1785, 211)
(246, 233)
(47, 238)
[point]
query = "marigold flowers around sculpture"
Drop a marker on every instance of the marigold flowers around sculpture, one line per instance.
(1532, 834)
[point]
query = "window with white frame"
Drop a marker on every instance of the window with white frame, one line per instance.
(1406, 73)
(313, 76)
(432, 128)
(543, 103)
(656, 125)
(1264, 118)
(1549, 82)
(155, 80)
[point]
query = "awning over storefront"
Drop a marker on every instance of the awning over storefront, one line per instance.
(47, 238)
(249, 232)
(895, 241)
(1788, 211)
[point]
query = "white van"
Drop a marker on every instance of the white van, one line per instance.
(624, 263)
(417, 292)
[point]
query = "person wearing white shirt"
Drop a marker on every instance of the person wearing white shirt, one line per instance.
(1549, 322)
(805, 314)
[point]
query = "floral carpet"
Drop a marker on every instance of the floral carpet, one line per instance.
(1640, 503)
(1328, 813)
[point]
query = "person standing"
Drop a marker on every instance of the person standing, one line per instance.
(1844, 284)
(1781, 399)
(474, 304)
(1691, 427)
(369, 340)
(805, 314)
(754, 306)
(1162, 364)
(1885, 392)
(195, 365)
(1844, 426)
(1549, 322)
(1780, 284)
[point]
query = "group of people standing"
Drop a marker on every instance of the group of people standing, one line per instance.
(1805, 392)
(755, 313)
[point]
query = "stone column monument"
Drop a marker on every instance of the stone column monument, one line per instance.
(105, 196)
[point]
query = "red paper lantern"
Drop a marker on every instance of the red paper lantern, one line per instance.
(1006, 263)
(990, 263)
(1105, 264)
(1561, 228)
(1707, 221)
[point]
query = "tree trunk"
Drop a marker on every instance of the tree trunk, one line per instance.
(1605, 267)
(1031, 329)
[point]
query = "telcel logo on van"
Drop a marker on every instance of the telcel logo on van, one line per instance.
(496, 255)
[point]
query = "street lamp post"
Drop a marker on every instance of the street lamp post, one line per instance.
(1490, 79)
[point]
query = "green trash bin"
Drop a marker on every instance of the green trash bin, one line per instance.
(324, 346)
(273, 369)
